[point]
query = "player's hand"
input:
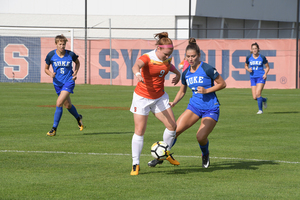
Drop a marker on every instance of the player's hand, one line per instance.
(140, 78)
(53, 75)
(264, 76)
(74, 76)
(250, 70)
(201, 90)
(172, 104)
(176, 79)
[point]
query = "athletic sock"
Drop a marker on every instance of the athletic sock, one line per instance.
(259, 102)
(57, 116)
(175, 140)
(74, 112)
(169, 137)
(204, 148)
(264, 99)
(136, 147)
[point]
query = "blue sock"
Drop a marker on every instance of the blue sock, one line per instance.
(73, 111)
(204, 148)
(174, 142)
(259, 102)
(264, 99)
(57, 116)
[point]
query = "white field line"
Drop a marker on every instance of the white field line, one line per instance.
(122, 154)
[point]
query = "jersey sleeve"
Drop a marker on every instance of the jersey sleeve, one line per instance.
(145, 58)
(210, 71)
(265, 61)
(73, 55)
(183, 81)
(49, 56)
(247, 59)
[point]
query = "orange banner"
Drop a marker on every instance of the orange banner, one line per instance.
(227, 56)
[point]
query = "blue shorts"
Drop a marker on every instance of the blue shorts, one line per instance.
(68, 86)
(212, 113)
(254, 81)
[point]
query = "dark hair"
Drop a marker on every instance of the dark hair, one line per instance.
(162, 39)
(193, 45)
(255, 44)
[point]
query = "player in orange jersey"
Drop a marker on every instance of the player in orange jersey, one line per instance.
(183, 65)
(149, 95)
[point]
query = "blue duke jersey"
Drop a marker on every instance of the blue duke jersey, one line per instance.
(61, 66)
(204, 76)
(257, 65)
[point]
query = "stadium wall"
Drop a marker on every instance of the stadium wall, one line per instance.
(23, 60)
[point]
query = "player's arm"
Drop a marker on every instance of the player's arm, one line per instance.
(176, 79)
(180, 94)
(247, 68)
(267, 69)
(48, 72)
(220, 84)
(77, 66)
(136, 70)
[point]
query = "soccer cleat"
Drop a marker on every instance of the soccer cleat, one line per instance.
(171, 159)
(52, 132)
(265, 103)
(205, 161)
(80, 124)
(259, 112)
(135, 170)
(154, 162)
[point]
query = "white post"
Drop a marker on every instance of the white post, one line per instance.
(72, 39)
(110, 52)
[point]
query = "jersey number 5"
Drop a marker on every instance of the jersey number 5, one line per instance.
(62, 70)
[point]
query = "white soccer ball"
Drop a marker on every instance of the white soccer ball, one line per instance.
(159, 150)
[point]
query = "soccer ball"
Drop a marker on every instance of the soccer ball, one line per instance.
(159, 150)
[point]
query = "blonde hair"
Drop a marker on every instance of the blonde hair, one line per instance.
(60, 38)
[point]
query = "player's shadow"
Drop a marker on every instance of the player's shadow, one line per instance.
(285, 112)
(244, 165)
(107, 133)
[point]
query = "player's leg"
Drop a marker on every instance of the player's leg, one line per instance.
(72, 109)
(260, 99)
(253, 90)
(140, 124)
(140, 107)
(206, 127)
(168, 119)
(62, 96)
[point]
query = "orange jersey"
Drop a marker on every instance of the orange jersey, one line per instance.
(153, 72)
(183, 65)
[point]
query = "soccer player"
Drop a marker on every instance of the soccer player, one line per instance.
(183, 65)
(258, 75)
(63, 80)
(204, 81)
(149, 95)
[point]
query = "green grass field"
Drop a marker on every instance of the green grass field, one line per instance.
(252, 156)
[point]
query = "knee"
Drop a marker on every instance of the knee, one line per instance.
(201, 138)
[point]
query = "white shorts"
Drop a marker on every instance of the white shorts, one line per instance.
(143, 106)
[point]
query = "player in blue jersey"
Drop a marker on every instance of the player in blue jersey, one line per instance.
(63, 80)
(204, 81)
(258, 75)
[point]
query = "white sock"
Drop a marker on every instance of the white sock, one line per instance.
(169, 137)
(136, 147)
